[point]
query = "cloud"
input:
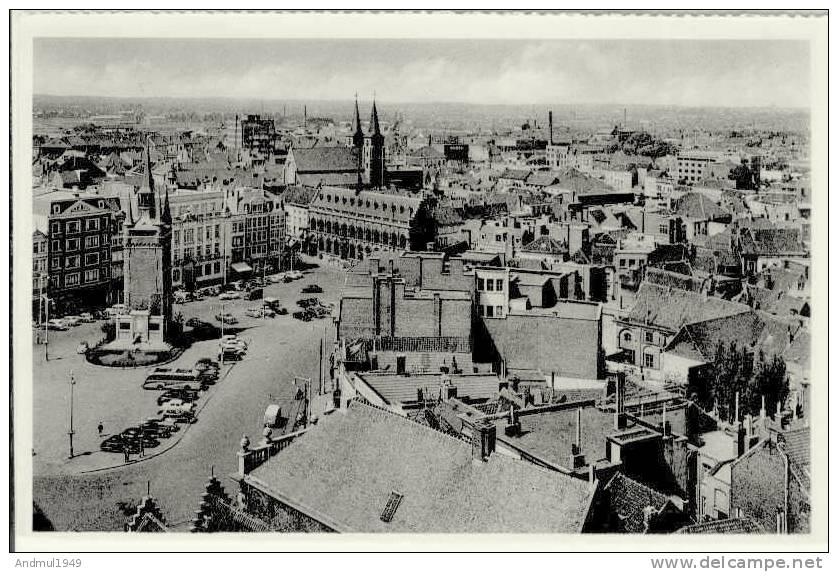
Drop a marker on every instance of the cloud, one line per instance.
(719, 73)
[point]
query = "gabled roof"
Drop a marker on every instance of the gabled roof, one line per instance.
(515, 174)
(699, 206)
(347, 466)
(629, 499)
(325, 159)
(298, 195)
(797, 445)
(772, 241)
(726, 526)
(671, 309)
(545, 245)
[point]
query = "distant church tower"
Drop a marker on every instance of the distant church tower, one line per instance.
(148, 273)
(358, 144)
(376, 168)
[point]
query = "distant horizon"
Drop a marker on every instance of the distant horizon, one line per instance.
(682, 73)
(381, 101)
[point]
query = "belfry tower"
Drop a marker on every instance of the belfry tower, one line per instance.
(148, 273)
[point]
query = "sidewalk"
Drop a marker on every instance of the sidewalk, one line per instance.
(97, 461)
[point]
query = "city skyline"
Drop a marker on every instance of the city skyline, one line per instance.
(740, 74)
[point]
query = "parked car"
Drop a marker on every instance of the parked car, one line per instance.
(312, 289)
(230, 354)
(295, 275)
(182, 395)
(71, 321)
(87, 317)
(181, 297)
(303, 315)
(137, 434)
(255, 294)
(226, 318)
(274, 278)
(194, 322)
(57, 324)
(179, 412)
(159, 427)
(232, 295)
(233, 338)
(117, 444)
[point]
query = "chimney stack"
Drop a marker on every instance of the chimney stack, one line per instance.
(619, 401)
(576, 448)
(483, 440)
(550, 120)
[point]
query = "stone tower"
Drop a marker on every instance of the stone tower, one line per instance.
(148, 275)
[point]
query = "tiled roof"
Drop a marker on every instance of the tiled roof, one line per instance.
(797, 445)
(545, 245)
(755, 330)
(699, 206)
(515, 174)
(726, 526)
(298, 195)
(629, 499)
(673, 308)
(347, 466)
(773, 241)
(325, 159)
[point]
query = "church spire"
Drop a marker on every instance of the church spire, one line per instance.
(374, 126)
(166, 217)
(358, 137)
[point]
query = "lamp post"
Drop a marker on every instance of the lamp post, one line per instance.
(71, 432)
(47, 301)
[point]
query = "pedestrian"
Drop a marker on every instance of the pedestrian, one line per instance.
(125, 452)
(142, 446)
(101, 428)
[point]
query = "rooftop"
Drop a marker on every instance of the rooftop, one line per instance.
(348, 466)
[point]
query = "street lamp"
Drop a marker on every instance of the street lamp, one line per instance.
(46, 300)
(71, 432)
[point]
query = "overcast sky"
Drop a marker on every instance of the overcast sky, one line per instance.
(691, 73)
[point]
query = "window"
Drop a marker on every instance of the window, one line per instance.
(188, 236)
(35, 248)
(91, 259)
(55, 262)
(56, 245)
(209, 232)
(480, 285)
(490, 311)
(91, 242)
(55, 228)
(627, 337)
(56, 209)
(490, 285)
(499, 311)
(217, 230)
(664, 229)
(176, 237)
(632, 262)
(217, 267)
(176, 275)
(71, 279)
(648, 360)
(93, 224)
(72, 262)
(650, 337)
(72, 244)
(73, 227)
(91, 275)
(499, 285)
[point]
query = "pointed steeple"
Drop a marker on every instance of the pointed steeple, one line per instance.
(374, 126)
(146, 196)
(166, 217)
(358, 136)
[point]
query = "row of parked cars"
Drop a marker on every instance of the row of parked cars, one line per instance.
(181, 389)
(231, 348)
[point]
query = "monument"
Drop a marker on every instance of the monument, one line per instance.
(148, 277)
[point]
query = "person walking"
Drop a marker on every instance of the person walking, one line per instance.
(125, 452)
(101, 428)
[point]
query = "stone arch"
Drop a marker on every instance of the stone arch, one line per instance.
(351, 250)
(385, 238)
(375, 236)
(394, 239)
(343, 229)
(368, 235)
(351, 231)
(328, 245)
(320, 225)
(321, 244)
(402, 241)
(328, 227)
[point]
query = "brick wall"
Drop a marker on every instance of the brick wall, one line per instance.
(569, 347)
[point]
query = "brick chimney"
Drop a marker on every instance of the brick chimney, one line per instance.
(576, 447)
(620, 401)
(483, 440)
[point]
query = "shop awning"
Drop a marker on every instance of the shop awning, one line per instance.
(242, 267)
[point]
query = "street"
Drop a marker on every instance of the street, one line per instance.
(279, 349)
